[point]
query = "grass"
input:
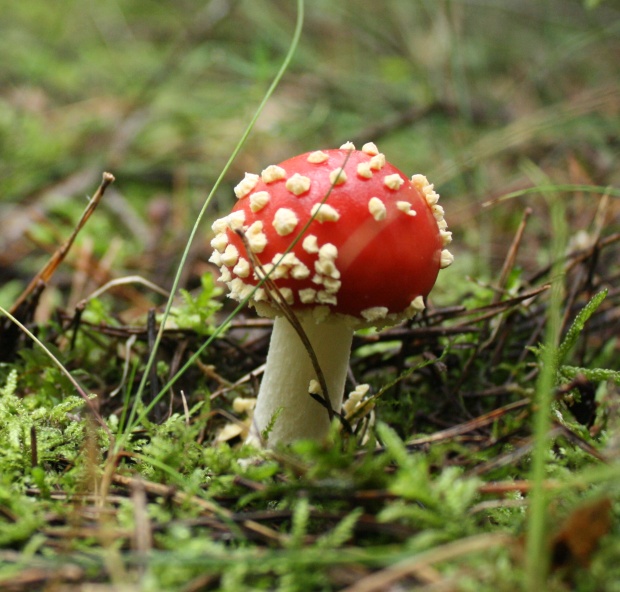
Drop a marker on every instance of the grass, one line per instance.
(489, 461)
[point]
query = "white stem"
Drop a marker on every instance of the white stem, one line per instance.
(284, 388)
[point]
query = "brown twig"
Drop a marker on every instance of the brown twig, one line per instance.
(180, 497)
(50, 267)
(385, 578)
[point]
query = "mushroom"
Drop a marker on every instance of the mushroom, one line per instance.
(346, 241)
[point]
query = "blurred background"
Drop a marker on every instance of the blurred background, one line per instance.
(485, 98)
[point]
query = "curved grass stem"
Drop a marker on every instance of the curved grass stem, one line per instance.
(537, 555)
(133, 416)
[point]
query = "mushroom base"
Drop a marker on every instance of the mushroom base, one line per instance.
(284, 403)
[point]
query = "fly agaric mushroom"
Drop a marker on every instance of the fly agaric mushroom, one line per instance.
(346, 241)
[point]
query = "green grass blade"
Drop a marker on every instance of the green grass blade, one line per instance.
(283, 68)
(536, 563)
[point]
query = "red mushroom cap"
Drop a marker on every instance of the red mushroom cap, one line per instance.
(372, 251)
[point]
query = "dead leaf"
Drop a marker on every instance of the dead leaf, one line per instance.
(578, 538)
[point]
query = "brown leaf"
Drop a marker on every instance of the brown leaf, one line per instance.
(578, 538)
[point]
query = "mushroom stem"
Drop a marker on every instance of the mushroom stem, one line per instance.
(283, 392)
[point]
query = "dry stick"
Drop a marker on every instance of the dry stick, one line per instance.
(41, 577)
(506, 487)
(385, 578)
(76, 320)
(506, 268)
(508, 264)
(181, 497)
(599, 224)
(512, 254)
(129, 279)
(556, 430)
(512, 456)
(462, 428)
(471, 425)
(48, 270)
(598, 246)
(490, 310)
(577, 440)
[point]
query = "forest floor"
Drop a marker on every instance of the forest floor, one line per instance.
(485, 456)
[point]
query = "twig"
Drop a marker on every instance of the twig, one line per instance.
(181, 497)
(49, 268)
(385, 578)
(470, 426)
(512, 254)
